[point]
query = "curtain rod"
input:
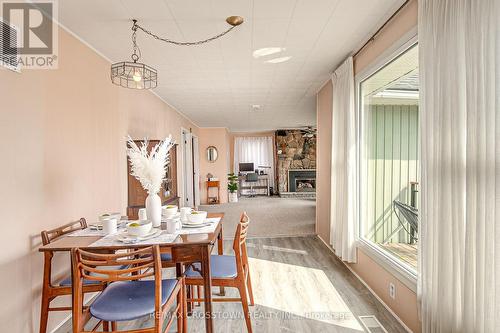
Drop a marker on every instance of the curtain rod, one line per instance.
(372, 38)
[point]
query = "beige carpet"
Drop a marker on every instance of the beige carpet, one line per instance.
(270, 216)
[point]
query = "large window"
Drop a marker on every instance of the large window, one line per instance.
(389, 172)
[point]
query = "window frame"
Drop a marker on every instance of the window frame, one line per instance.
(403, 271)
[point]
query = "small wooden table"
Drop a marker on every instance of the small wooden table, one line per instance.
(185, 249)
(212, 184)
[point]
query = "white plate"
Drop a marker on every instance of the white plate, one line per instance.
(125, 236)
(195, 225)
(191, 223)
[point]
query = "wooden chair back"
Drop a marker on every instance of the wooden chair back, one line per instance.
(139, 264)
(50, 235)
(239, 243)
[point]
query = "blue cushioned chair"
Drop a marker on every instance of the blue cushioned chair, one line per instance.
(229, 271)
(51, 291)
(127, 296)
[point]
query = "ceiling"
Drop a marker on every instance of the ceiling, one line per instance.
(216, 84)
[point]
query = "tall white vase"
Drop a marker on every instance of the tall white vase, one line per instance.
(153, 209)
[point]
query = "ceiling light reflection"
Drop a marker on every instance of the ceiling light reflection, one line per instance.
(278, 60)
(265, 51)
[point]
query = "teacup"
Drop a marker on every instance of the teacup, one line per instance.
(109, 225)
(172, 225)
(184, 213)
(142, 214)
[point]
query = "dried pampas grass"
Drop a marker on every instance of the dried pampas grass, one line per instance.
(149, 168)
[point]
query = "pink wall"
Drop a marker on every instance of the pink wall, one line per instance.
(323, 156)
(63, 138)
(219, 138)
(375, 276)
(405, 304)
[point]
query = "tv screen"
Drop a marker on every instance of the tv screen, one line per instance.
(246, 167)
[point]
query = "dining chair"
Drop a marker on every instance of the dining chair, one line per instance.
(128, 296)
(51, 291)
(229, 271)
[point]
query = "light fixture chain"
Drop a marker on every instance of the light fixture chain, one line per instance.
(135, 48)
(183, 43)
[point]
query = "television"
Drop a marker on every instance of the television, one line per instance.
(246, 167)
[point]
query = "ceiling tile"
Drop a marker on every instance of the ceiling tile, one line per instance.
(216, 83)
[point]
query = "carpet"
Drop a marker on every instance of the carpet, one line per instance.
(269, 216)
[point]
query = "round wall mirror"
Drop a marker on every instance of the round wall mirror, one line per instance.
(212, 154)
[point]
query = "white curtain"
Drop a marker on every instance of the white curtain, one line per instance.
(344, 175)
(459, 273)
(256, 150)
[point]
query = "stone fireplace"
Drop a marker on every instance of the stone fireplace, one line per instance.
(296, 164)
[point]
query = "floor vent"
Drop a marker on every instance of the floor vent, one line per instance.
(371, 324)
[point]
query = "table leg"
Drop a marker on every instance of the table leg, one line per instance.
(207, 287)
(220, 251)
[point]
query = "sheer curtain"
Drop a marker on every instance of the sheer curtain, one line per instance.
(256, 150)
(343, 224)
(459, 275)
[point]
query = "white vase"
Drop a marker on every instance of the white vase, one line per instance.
(153, 209)
(233, 196)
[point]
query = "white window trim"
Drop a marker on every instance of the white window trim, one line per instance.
(402, 271)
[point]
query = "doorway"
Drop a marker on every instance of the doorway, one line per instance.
(190, 169)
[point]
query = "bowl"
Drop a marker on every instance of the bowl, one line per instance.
(197, 217)
(108, 216)
(139, 227)
(169, 210)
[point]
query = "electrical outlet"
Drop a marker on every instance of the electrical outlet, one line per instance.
(392, 290)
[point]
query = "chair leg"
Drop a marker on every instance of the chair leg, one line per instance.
(180, 311)
(198, 294)
(244, 302)
(189, 294)
(249, 287)
(114, 326)
(184, 308)
(44, 311)
(105, 326)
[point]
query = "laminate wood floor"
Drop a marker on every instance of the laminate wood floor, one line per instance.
(299, 286)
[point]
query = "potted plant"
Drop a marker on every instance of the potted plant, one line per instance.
(232, 186)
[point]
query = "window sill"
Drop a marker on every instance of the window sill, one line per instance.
(404, 273)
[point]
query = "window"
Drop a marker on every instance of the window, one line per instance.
(256, 150)
(388, 101)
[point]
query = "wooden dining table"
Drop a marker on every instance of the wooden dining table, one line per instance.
(185, 249)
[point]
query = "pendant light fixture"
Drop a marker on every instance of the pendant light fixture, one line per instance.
(136, 75)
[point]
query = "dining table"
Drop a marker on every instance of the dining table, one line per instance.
(185, 249)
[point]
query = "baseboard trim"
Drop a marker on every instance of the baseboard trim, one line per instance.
(368, 287)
